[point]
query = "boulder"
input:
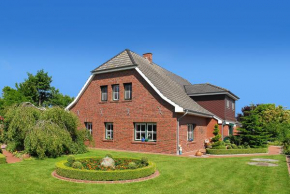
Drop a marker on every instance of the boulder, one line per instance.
(108, 162)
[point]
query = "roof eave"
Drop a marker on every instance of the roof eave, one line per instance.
(215, 93)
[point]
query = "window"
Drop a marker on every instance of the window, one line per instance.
(145, 132)
(89, 127)
(190, 132)
(231, 129)
(228, 104)
(109, 131)
(233, 105)
(128, 91)
(104, 93)
(116, 91)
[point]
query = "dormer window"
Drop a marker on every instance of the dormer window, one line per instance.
(228, 103)
(233, 105)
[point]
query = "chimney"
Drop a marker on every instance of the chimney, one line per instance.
(148, 56)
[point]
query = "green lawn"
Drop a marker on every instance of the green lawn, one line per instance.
(178, 175)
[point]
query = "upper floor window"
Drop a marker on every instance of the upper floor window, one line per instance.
(89, 127)
(116, 92)
(228, 103)
(233, 105)
(104, 93)
(109, 130)
(128, 91)
(190, 132)
(145, 131)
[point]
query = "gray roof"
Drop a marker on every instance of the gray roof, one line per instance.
(168, 83)
(207, 88)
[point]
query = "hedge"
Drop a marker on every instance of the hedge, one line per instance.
(236, 151)
(97, 175)
(2, 159)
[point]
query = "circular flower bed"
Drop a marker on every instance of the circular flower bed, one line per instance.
(93, 170)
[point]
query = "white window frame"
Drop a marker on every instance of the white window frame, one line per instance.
(116, 92)
(128, 93)
(109, 132)
(89, 126)
(146, 132)
(228, 103)
(190, 132)
(233, 105)
(104, 95)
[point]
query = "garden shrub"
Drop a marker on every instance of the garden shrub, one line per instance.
(236, 151)
(99, 175)
(132, 165)
(216, 132)
(47, 139)
(229, 147)
(286, 150)
(71, 160)
(2, 159)
(77, 165)
(144, 160)
(234, 146)
(18, 121)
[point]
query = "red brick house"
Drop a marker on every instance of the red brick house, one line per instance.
(131, 103)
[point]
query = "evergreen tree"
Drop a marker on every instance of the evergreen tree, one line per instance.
(216, 132)
(252, 133)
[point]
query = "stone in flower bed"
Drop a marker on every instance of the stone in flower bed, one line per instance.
(108, 162)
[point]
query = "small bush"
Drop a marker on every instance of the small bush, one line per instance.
(144, 160)
(132, 165)
(219, 147)
(236, 151)
(77, 165)
(109, 155)
(286, 150)
(229, 147)
(71, 160)
(234, 146)
(240, 147)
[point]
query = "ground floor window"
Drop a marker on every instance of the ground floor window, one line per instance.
(145, 132)
(89, 127)
(190, 132)
(109, 130)
(231, 129)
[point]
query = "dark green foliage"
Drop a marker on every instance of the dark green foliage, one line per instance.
(216, 132)
(64, 119)
(132, 165)
(236, 151)
(144, 160)
(109, 155)
(235, 139)
(47, 139)
(18, 121)
(252, 132)
(70, 160)
(58, 99)
(77, 165)
(99, 175)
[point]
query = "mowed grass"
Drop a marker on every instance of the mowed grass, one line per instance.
(178, 175)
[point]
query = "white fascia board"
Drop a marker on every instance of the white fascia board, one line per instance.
(220, 121)
(80, 93)
(200, 115)
(177, 107)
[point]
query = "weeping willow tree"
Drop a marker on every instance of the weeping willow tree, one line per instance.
(43, 132)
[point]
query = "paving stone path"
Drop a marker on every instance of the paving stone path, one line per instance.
(9, 157)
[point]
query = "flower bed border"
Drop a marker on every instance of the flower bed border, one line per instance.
(98, 175)
(152, 176)
(236, 151)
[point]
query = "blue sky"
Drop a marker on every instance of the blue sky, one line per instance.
(243, 46)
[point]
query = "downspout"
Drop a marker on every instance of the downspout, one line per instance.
(177, 132)
(223, 129)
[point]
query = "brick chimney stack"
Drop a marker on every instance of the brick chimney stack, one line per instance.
(148, 56)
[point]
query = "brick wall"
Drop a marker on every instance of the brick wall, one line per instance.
(145, 106)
